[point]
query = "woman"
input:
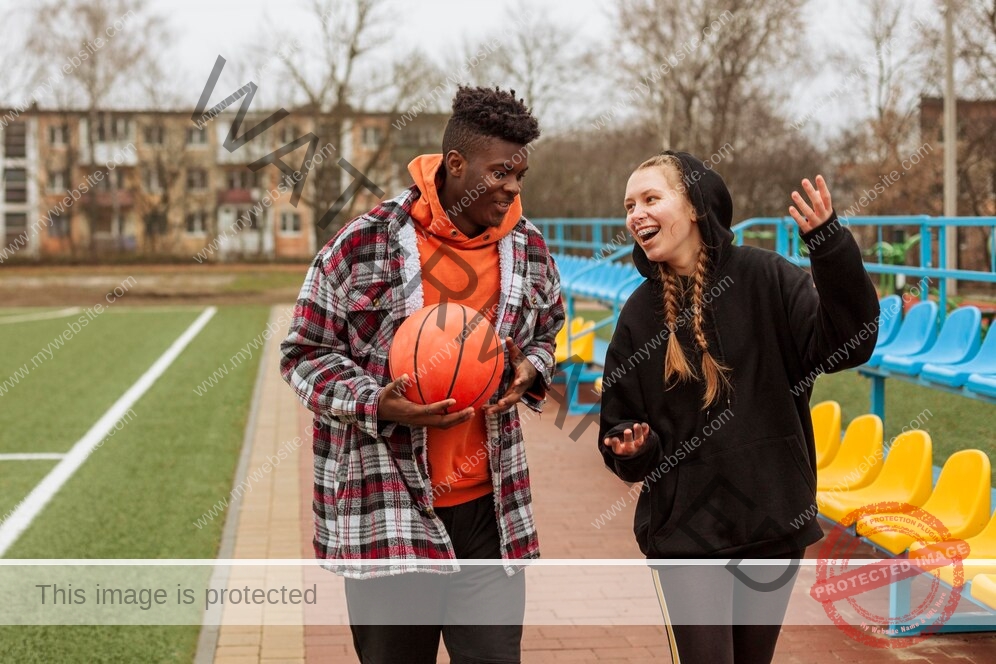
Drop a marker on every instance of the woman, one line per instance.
(706, 398)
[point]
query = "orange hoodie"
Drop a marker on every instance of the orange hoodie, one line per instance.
(458, 456)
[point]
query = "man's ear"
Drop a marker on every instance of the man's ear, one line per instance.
(455, 163)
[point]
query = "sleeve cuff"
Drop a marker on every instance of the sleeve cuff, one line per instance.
(366, 414)
(617, 431)
(824, 237)
(535, 396)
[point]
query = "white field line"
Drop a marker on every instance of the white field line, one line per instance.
(31, 506)
(153, 310)
(31, 457)
(43, 315)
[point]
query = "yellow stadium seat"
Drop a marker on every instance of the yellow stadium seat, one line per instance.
(597, 385)
(582, 344)
(984, 589)
(859, 458)
(826, 428)
(982, 545)
(905, 478)
(960, 501)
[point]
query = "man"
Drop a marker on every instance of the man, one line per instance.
(398, 480)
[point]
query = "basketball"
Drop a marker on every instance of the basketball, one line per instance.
(449, 351)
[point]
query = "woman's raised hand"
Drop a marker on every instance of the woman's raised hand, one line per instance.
(814, 214)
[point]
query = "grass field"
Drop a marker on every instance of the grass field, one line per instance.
(139, 493)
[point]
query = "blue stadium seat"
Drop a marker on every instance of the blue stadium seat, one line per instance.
(982, 383)
(959, 340)
(916, 334)
(955, 375)
(890, 316)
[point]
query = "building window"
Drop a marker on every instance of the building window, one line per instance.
(197, 136)
(15, 140)
(15, 185)
(197, 179)
(59, 225)
(151, 181)
(16, 224)
(154, 134)
(58, 134)
(247, 217)
(113, 129)
(288, 134)
(196, 223)
(110, 224)
(290, 223)
(242, 178)
(104, 183)
(372, 137)
(58, 182)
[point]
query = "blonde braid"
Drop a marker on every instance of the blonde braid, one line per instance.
(715, 374)
(676, 365)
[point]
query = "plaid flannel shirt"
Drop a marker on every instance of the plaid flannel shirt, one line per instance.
(373, 498)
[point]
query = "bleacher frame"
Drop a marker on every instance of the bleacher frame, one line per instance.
(591, 238)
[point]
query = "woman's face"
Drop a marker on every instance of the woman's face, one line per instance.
(659, 217)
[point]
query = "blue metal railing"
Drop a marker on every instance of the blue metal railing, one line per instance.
(608, 241)
(603, 238)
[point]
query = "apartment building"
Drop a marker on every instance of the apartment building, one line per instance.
(154, 182)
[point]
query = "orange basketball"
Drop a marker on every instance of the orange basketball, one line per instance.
(449, 351)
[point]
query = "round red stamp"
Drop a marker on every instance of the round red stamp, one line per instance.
(846, 586)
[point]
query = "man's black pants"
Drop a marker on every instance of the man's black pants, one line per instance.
(478, 611)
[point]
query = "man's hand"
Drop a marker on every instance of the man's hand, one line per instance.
(632, 441)
(808, 217)
(525, 374)
(394, 407)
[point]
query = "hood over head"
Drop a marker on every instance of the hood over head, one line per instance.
(713, 208)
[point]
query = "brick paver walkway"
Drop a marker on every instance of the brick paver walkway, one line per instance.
(570, 489)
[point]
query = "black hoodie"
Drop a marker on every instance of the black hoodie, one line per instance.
(739, 478)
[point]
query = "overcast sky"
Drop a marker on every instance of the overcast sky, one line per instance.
(204, 29)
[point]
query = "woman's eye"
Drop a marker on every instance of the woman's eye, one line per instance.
(651, 199)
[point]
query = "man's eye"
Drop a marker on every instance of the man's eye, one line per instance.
(498, 175)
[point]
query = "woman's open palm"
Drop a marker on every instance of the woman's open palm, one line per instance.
(815, 213)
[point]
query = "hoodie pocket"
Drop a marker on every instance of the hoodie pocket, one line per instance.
(739, 496)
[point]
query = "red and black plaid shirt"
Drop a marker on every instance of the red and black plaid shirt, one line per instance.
(372, 494)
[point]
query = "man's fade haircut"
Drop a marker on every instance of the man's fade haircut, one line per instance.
(480, 114)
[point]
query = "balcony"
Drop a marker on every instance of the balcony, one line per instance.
(125, 198)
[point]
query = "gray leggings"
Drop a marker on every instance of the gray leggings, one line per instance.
(714, 616)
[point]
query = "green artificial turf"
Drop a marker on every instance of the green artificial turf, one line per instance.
(141, 491)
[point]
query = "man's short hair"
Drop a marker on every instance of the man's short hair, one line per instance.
(483, 113)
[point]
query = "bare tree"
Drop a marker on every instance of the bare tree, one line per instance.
(324, 74)
(691, 66)
(104, 41)
(534, 55)
(975, 28)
